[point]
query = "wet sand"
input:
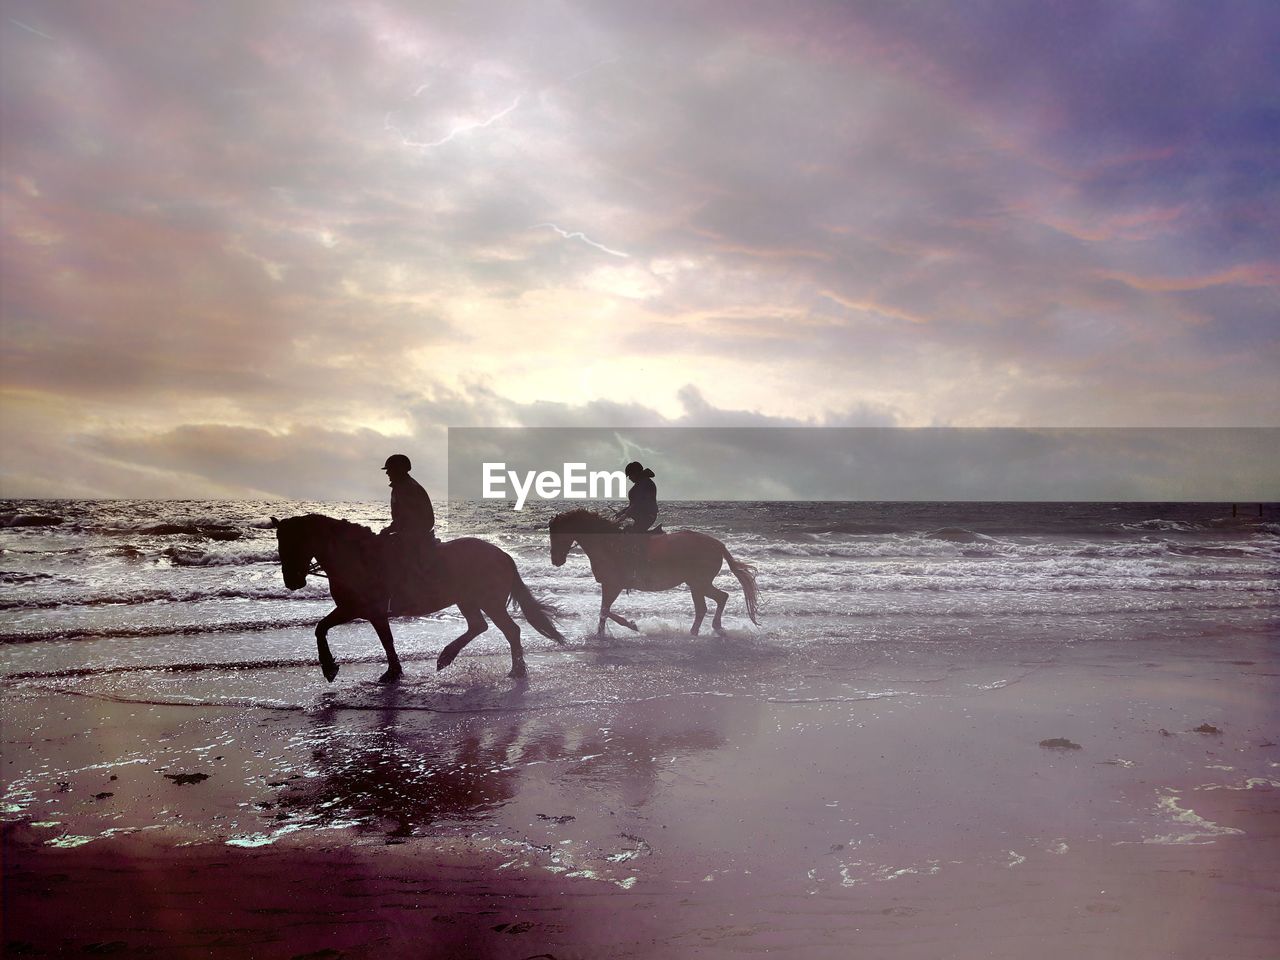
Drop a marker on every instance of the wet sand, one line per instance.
(338, 900)
(1105, 802)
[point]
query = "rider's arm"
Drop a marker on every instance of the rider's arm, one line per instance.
(391, 527)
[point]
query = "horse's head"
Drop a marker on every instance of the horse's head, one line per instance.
(569, 528)
(562, 540)
(295, 551)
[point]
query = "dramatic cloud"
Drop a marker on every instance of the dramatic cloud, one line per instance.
(255, 247)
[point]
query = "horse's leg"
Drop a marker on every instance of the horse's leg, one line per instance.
(476, 625)
(720, 597)
(608, 593)
(619, 618)
(511, 630)
(393, 671)
(335, 617)
(699, 607)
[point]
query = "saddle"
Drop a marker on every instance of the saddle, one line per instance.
(408, 567)
(637, 554)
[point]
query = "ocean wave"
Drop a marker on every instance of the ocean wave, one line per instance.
(1225, 524)
(18, 576)
(207, 531)
(171, 594)
(239, 555)
(157, 630)
(76, 673)
(957, 545)
(933, 605)
(852, 551)
(1170, 526)
(1271, 550)
(30, 520)
(918, 582)
(959, 535)
(856, 528)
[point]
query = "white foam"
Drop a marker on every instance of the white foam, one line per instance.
(1193, 828)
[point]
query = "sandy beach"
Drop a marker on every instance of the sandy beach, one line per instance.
(1096, 802)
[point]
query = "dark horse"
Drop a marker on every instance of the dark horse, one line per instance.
(476, 576)
(669, 559)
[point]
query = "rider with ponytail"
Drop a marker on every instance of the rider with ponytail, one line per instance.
(642, 509)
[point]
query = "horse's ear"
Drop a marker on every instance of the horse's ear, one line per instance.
(275, 524)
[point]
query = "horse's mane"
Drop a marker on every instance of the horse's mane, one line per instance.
(345, 529)
(582, 518)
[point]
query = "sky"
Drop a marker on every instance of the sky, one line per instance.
(251, 249)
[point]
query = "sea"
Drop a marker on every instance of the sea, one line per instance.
(156, 589)
(873, 618)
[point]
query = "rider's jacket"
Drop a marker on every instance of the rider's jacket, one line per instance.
(643, 499)
(411, 510)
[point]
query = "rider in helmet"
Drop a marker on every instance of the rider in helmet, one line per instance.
(412, 529)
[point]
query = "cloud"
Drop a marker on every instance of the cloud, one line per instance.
(310, 220)
(308, 463)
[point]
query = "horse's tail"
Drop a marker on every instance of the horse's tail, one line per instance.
(537, 612)
(746, 575)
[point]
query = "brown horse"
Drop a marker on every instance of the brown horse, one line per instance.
(668, 560)
(477, 577)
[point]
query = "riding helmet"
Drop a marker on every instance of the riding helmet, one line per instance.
(398, 462)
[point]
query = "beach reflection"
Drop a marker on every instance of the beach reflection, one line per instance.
(382, 772)
(401, 772)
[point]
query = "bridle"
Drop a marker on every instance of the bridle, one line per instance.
(313, 568)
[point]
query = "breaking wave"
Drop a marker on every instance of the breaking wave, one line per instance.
(29, 520)
(239, 555)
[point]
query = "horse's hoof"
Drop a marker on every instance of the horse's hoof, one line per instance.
(693, 631)
(330, 670)
(631, 625)
(391, 676)
(720, 631)
(445, 658)
(518, 672)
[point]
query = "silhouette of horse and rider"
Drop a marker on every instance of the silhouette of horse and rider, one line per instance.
(655, 562)
(406, 571)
